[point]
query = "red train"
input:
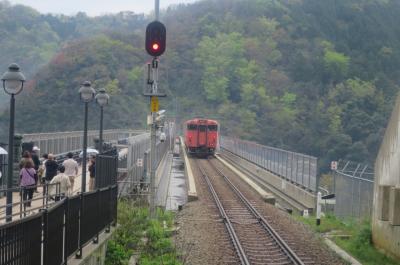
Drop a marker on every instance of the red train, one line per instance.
(201, 136)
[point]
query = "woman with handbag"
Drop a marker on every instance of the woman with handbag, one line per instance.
(28, 180)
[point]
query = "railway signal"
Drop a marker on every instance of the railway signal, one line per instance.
(156, 38)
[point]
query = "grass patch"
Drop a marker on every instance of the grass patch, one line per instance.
(136, 233)
(358, 242)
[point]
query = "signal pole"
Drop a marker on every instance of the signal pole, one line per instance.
(157, 9)
(153, 139)
(155, 46)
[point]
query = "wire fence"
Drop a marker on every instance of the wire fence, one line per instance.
(294, 167)
(353, 187)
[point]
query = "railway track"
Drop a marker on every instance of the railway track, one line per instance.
(254, 240)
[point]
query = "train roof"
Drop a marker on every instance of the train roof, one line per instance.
(195, 121)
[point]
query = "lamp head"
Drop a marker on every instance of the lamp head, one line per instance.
(86, 92)
(102, 97)
(13, 80)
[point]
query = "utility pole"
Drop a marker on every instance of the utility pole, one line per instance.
(155, 46)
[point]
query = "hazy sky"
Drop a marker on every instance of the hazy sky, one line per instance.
(95, 7)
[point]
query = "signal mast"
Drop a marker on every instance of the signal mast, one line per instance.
(155, 46)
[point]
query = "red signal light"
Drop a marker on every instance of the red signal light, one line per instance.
(155, 38)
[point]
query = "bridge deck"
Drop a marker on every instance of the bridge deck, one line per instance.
(37, 202)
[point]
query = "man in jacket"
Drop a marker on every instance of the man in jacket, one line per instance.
(51, 168)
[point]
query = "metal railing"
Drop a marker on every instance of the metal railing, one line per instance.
(52, 235)
(297, 168)
(44, 197)
(106, 168)
(353, 188)
(62, 142)
(136, 175)
(133, 175)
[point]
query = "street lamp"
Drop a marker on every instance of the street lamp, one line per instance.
(13, 84)
(102, 100)
(87, 94)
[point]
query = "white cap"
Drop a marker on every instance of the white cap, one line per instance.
(35, 148)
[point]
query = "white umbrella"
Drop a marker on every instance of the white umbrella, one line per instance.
(3, 151)
(89, 151)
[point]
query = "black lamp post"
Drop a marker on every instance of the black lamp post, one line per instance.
(13, 84)
(102, 99)
(87, 94)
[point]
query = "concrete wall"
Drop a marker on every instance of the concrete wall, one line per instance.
(386, 206)
(93, 254)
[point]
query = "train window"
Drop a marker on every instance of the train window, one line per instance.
(202, 128)
(213, 127)
(192, 127)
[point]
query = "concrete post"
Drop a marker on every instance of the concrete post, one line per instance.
(319, 199)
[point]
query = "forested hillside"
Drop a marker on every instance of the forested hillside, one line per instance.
(32, 39)
(318, 77)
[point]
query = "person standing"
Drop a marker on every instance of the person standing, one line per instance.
(35, 157)
(51, 168)
(28, 180)
(92, 172)
(42, 168)
(26, 157)
(71, 169)
(36, 163)
(64, 184)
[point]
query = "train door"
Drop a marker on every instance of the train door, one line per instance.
(191, 135)
(202, 134)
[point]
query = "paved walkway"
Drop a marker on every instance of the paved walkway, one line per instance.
(38, 200)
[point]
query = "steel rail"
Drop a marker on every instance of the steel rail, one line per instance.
(232, 233)
(282, 244)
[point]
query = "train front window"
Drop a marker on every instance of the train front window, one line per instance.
(213, 128)
(192, 127)
(202, 128)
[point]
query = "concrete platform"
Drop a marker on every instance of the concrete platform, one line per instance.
(288, 194)
(177, 193)
(267, 197)
(191, 185)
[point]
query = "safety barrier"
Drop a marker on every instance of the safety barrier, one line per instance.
(42, 199)
(354, 190)
(66, 228)
(297, 168)
(136, 178)
(106, 168)
(62, 142)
